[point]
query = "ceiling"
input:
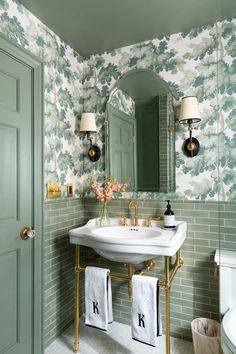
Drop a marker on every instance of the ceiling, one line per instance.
(95, 26)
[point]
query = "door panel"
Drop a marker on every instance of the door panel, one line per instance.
(8, 91)
(9, 195)
(16, 255)
(122, 146)
(8, 297)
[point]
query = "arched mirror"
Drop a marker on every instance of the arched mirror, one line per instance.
(141, 134)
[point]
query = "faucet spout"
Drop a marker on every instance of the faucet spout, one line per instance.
(135, 205)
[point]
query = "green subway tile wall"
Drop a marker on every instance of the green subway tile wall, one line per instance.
(59, 257)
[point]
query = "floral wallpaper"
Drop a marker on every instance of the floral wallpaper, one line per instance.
(198, 62)
(192, 63)
(63, 98)
(122, 101)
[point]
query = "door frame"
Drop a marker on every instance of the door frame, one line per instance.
(20, 54)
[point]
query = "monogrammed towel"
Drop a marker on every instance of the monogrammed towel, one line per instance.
(146, 312)
(98, 298)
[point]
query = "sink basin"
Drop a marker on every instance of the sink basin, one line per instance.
(130, 244)
(132, 233)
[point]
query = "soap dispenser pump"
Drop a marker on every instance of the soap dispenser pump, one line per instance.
(169, 217)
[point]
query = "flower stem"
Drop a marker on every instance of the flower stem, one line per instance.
(103, 213)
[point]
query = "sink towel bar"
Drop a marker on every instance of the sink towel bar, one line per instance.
(165, 284)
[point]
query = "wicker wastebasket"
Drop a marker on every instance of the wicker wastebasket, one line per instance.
(206, 336)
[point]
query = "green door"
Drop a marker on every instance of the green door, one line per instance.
(122, 146)
(16, 207)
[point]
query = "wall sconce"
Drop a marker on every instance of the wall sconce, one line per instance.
(88, 125)
(189, 114)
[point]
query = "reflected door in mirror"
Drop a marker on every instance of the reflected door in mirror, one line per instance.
(122, 146)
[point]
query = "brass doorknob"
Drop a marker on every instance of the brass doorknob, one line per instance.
(27, 233)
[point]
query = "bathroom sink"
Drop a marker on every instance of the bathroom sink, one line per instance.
(128, 233)
(130, 244)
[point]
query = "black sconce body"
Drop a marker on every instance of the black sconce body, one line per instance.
(94, 152)
(191, 147)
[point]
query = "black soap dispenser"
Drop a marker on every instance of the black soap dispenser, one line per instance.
(169, 217)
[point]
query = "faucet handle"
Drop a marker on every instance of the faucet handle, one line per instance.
(150, 218)
(123, 220)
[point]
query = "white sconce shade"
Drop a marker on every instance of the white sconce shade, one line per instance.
(189, 110)
(189, 114)
(87, 123)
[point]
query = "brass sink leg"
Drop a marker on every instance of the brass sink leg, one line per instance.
(167, 290)
(130, 273)
(166, 285)
(77, 278)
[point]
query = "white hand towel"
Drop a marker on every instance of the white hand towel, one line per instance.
(98, 298)
(146, 312)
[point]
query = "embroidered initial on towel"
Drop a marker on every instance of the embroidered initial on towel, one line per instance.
(141, 320)
(95, 307)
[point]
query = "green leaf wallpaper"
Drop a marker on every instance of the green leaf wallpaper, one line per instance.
(63, 73)
(199, 62)
(122, 101)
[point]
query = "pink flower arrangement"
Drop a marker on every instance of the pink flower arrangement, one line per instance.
(105, 192)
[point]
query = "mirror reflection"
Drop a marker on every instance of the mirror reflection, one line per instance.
(141, 141)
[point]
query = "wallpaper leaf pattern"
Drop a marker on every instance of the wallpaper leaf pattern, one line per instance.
(122, 101)
(63, 69)
(199, 62)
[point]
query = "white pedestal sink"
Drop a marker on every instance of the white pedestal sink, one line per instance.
(130, 244)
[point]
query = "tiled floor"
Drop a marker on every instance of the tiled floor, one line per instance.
(117, 340)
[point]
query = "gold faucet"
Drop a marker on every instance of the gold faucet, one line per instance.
(135, 205)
